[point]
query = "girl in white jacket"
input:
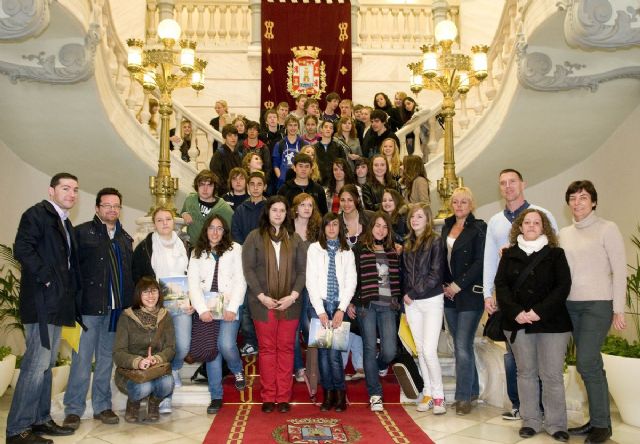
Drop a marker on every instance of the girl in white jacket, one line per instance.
(331, 283)
(216, 265)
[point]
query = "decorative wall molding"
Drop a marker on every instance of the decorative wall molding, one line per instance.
(26, 18)
(585, 24)
(534, 69)
(77, 62)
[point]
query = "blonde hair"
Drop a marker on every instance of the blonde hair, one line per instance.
(464, 192)
(315, 171)
(394, 163)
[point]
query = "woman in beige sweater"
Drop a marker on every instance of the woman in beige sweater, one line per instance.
(414, 180)
(595, 251)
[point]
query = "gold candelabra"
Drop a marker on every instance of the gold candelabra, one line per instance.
(165, 69)
(442, 69)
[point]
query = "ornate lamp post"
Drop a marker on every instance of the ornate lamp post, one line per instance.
(165, 69)
(449, 72)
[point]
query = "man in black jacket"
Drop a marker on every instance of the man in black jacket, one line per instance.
(302, 184)
(105, 255)
(378, 132)
(46, 248)
(226, 157)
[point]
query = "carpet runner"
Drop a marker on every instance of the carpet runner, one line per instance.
(247, 424)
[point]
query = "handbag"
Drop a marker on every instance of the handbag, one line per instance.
(148, 374)
(204, 335)
(493, 327)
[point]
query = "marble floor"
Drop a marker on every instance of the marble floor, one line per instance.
(190, 424)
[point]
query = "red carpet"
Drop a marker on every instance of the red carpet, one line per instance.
(245, 423)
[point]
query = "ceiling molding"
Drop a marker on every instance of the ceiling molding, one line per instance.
(25, 19)
(77, 62)
(585, 24)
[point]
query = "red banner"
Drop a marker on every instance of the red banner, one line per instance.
(306, 48)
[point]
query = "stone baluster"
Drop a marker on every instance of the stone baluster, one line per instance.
(188, 30)
(244, 27)
(121, 75)
(212, 31)
(165, 10)
(151, 22)
(223, 33)
(376, 37)
(200, 30)
(355, 5)
(233, 22)
(406, 36)
(396, 29)
(480, 104)
(462, 117)
(364, 35)
(255, 7)
(193, 149)
(432, 144)
(403, 145)
(145, 114)
(131, 97)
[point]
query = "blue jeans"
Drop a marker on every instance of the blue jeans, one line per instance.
(31, 402)
(591, 322)
(96, 340)
(160, 388)
(511, 373)
(303, 326)
(374, 321)
(227, 349)
(463, 326)
(355, 347)
(330, 361)
(182, 328)
(248, 329)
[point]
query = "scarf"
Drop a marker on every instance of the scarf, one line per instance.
(278, 276)
(530, 247)
(116, 283)
(168, 257)
(332, 280)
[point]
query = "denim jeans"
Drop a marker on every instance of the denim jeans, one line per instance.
(160, 388)
(227, 349)
(591, 322)
(425, 321)
(31, 402)
(96, 340)
(374, 321)
(330, 361)
(182, 328)
(248, 329)
(303, 326)
(463, 326)
(355, 347)
(540, 356)
(511, 374)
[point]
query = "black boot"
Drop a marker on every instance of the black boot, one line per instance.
(329, 400)
(341, 400)
(581, 430)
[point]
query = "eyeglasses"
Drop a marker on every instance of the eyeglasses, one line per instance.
(149, 291)
(216, 229)
(111, 207)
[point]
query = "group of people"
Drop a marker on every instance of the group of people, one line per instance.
(362, 250)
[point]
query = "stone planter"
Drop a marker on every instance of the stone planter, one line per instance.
(576, 395)
(14, 380)
(623, 386)
(7, 367)
(59, 378)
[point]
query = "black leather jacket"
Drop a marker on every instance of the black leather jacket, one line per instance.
(93, 254)
(423, 271)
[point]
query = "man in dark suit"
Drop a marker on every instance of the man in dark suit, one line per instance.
(46, 248)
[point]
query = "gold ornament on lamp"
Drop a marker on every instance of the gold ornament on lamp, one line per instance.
(165, 69)
(450, 73)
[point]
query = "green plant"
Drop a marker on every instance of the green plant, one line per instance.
(10, 291)
(618, 346)
(19, 360)
(62, 361)
(4, 352)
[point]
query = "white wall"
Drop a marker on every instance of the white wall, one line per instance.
(24, 185)
(612, 169)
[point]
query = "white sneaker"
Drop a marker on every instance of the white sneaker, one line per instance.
(300, 374)
(384, 372)
(425, 404)
(165, 405)
(176, 379)
(439, 407)
(513, 415)
(359, 374)
(375, 403)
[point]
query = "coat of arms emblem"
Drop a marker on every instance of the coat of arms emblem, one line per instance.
(306, 72)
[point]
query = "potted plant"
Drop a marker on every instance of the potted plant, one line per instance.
(60, 375)
(10, 291)
(7, 366)
(621, 356)
(16, 372)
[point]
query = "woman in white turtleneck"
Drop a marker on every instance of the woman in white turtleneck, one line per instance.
(162, 254)
(595, 251)
(532, 285)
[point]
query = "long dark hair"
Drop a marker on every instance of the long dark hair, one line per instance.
(322, 238)
(264, 224)
(349, 177)
(399, 202)
(353, 192)
(146, 283)
(313, 226)
(388, 103)
(387, 175)
(368, 241)
(203, 245)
